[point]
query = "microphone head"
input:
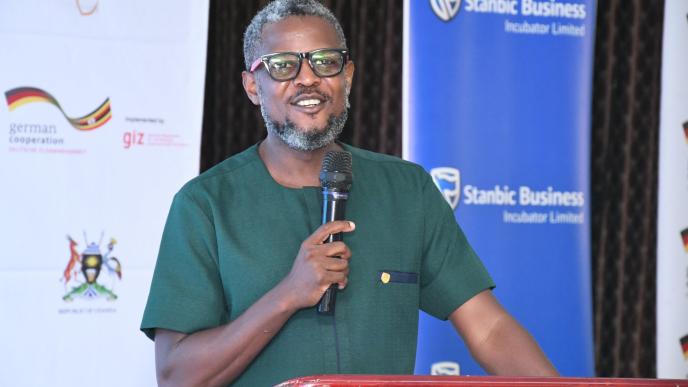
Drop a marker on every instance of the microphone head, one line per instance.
(336, 173)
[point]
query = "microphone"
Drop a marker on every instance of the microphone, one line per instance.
(335, 180)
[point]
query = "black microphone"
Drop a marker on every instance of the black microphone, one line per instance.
(335, 179)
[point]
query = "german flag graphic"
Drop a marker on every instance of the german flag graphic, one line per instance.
(23, 95)
(684, 236)
(684, 346)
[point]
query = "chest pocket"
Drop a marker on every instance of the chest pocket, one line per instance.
(397, 277)
(397, 291)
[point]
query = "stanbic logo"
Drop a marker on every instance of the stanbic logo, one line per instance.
(445, 9)
(445, 368)
(448, 181)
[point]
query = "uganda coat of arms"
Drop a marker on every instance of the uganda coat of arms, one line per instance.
(83, 270)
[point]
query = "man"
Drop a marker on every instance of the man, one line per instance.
(240, 268)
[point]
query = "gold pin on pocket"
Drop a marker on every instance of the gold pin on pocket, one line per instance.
(397, 277)
(385, 277)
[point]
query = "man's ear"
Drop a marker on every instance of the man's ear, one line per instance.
(349, 75)
(249, 81)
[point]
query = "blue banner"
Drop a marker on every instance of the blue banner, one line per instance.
(497, 107)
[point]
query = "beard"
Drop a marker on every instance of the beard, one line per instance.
(306, 139)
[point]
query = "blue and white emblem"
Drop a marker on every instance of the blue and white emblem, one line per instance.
(448, 181)
(445, 368)
(445, 9)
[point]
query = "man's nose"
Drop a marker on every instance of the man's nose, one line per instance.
(306, 76)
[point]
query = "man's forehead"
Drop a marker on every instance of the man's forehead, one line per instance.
(299, 34)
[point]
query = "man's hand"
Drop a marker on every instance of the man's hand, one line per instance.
(318, 265)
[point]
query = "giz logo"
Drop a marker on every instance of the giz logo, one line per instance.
(448, 181)
(89, 263)
(445, 9)
(131, 139)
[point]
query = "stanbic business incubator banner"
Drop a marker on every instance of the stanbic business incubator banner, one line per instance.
(497, 108)
(672, 215)
(100, 113)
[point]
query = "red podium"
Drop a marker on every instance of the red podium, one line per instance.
(470, 381)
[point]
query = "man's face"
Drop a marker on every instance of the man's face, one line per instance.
(307, 112)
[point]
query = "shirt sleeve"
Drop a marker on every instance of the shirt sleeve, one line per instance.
(186, 293)
(451, 272)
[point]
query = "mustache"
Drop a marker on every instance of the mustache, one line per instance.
(311, 90)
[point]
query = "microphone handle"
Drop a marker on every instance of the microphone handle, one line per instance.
(334, 205)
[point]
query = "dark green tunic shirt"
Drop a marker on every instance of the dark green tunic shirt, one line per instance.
(233, 233)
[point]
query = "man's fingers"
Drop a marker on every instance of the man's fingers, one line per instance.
(335, 249)
(323, 264)
(326, 229)
(336, 264)
(342, 284)
(337, 277)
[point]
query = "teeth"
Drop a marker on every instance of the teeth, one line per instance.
(308, 102)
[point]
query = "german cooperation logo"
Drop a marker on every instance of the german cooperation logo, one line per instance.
(523, 205)
(534, 17)
(83, 269)
(47, 135)
(93, 120)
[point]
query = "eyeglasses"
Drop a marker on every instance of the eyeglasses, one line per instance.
(285, 66)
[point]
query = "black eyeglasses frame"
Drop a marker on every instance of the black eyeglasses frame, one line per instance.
(264, 59)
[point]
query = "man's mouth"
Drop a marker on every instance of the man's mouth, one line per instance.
(309, 102)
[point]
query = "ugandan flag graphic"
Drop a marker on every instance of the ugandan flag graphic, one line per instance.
(684, 236)
(23, 95)
(684, 346)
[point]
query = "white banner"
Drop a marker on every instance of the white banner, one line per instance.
(672, 233)
(101, 111)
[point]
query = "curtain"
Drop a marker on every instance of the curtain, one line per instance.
(625, 136)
